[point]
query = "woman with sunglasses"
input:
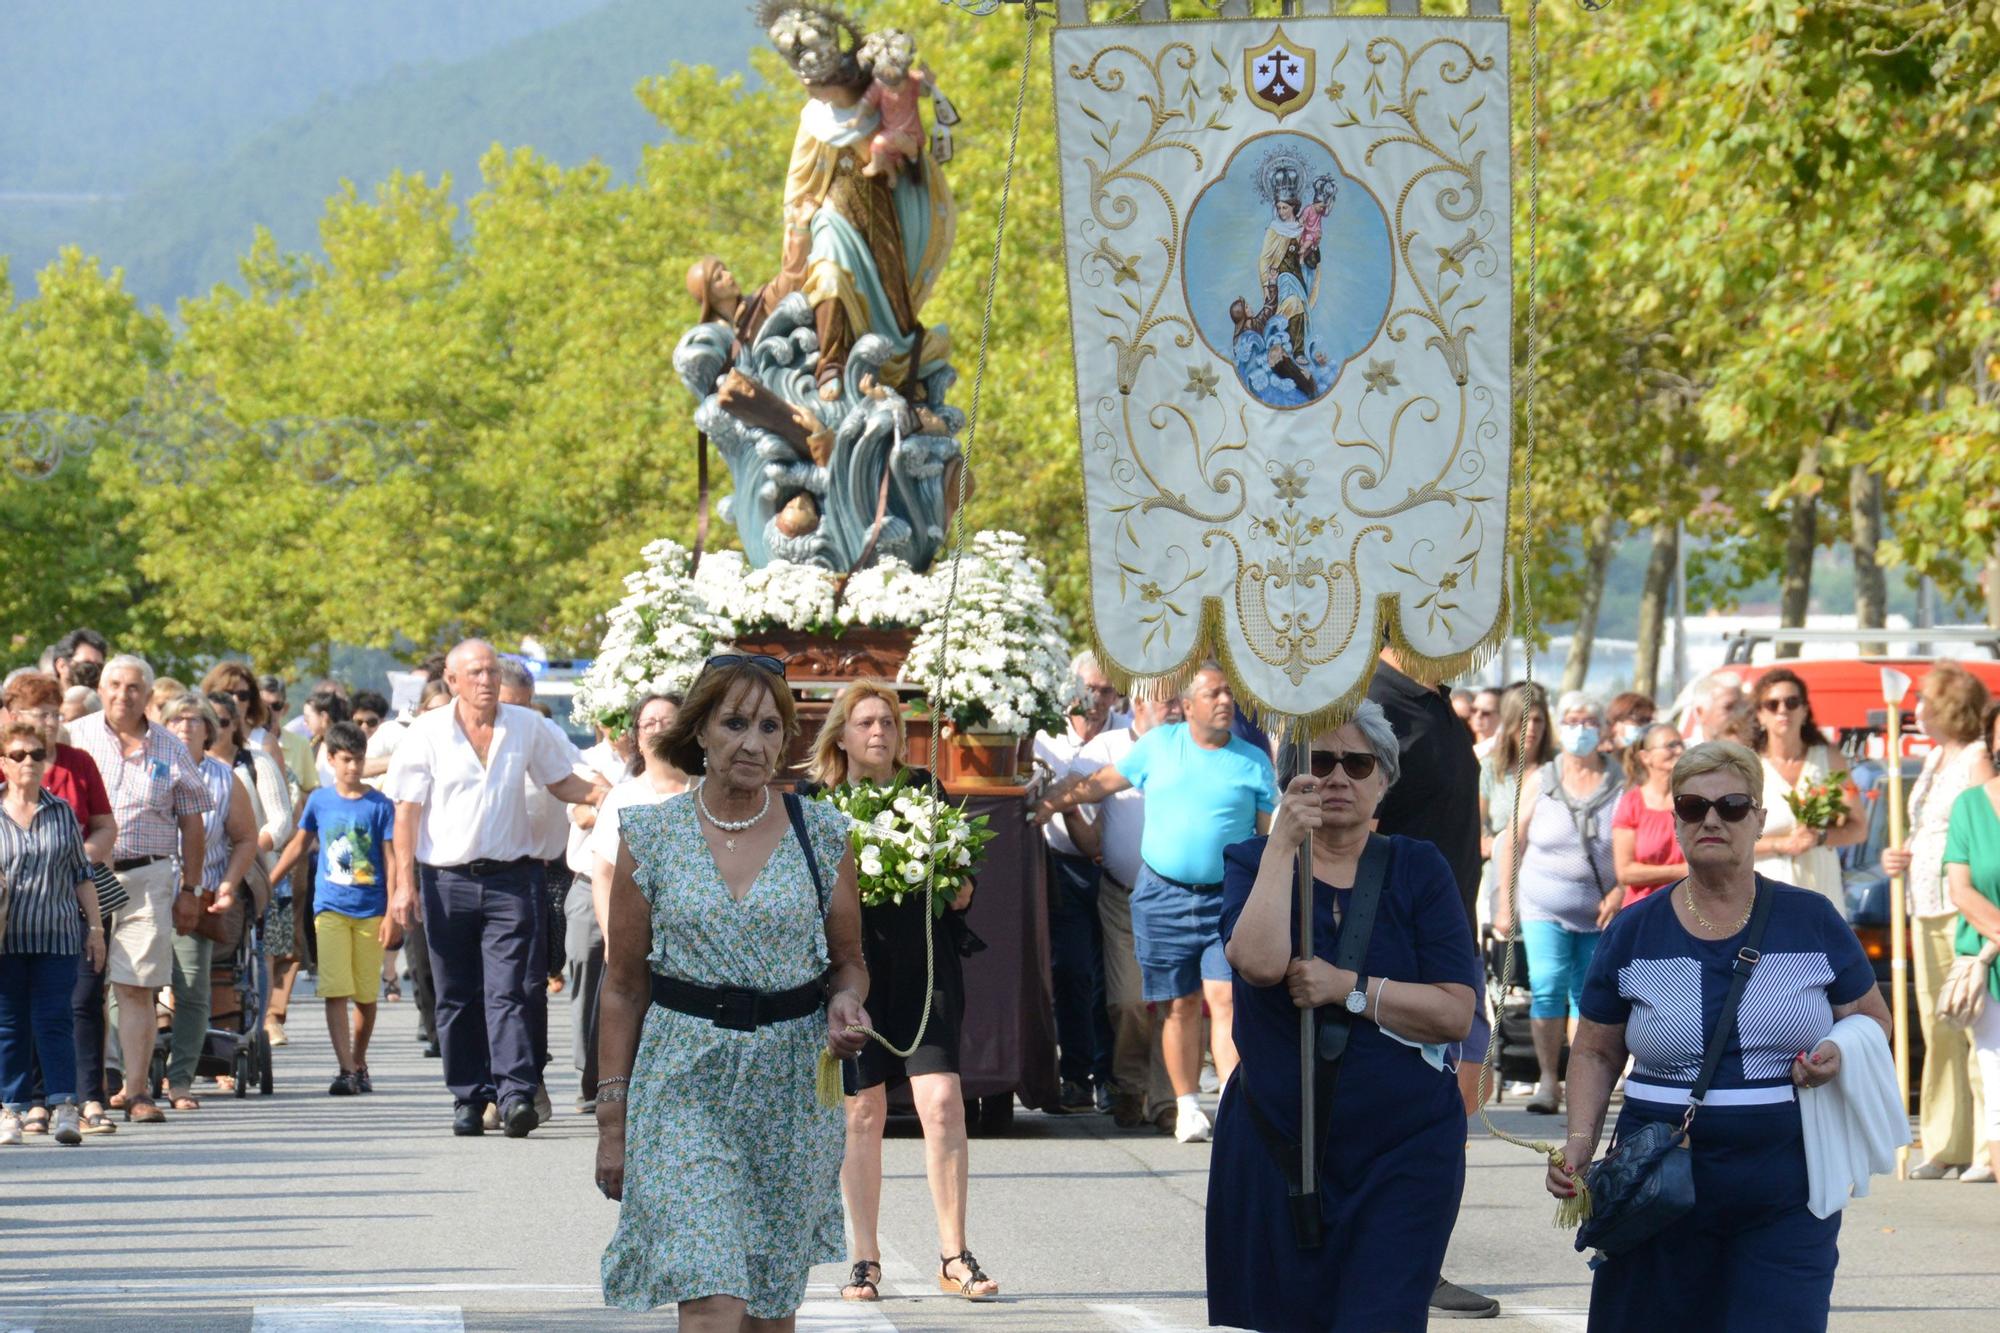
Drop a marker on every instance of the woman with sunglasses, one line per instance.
(51, 918)
(1796, 755)
(1643, 850)
(1750, 1254)
(1393, 1135)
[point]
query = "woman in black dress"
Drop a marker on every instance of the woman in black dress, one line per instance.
(862, 741)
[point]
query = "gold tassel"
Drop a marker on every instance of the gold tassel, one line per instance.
(826, 1080)
(1571, 1212)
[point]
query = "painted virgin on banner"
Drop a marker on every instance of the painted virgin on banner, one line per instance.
(1287, 250)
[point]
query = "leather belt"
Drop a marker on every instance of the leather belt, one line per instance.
(1183, 884)
(131, 863)
(737, 1008)
(484, 869)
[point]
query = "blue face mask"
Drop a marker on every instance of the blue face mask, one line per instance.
(1579, 740)
(1631, 733)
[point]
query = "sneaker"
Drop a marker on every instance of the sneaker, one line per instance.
(1451, 1301)
(362, 1083)
(276, 1032)
(1192, 1127)
(10, 1129)
(343, 1085)
(1074, 1097)
(68, 1125)
(1104, 1099)
(1979, 1173)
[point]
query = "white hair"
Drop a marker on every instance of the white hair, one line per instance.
(1373, 724)
(84, 697)
(1085, 661)
(129, 662)
(1580, 701)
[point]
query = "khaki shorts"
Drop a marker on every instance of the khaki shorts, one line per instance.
(350, 957)
(141, 947)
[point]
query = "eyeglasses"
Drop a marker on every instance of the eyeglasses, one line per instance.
(1787, 703)
(1732, 808)
(1671, 747)
(28, 756)
(1359, 764)
(1484, 712)
(762, 661)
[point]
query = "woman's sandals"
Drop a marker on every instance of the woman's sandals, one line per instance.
(975, 1286)
(860, 1286)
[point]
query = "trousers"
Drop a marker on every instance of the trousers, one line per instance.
(1953, 1098)
(1076, 965)
(193, 956)
(584, 947)
(35, 1016)
(484, 935)
(1137, 1068)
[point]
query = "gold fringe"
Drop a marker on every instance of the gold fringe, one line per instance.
(1571, 1212)
(826, 1079)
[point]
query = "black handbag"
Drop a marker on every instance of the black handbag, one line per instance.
(1646, 1181)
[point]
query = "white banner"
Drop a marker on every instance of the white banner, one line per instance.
(1287, 250)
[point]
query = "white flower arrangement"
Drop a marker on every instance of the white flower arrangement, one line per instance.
(1007, 669)
(889, 594)
(655, 642)
(908, 842)
(780, 596)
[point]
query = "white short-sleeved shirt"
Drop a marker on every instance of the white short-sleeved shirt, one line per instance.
(382, 745)
(1057, 749)
(474, 811)
(548, 816)
(600, 760)
(1120, 818)
(602, 841)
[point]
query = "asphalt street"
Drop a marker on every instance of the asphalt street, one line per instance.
(305, 1212)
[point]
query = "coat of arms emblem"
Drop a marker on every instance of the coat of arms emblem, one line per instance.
(1279, 75)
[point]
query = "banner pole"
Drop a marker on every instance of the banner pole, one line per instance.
(1899, 937)
(1291, 763)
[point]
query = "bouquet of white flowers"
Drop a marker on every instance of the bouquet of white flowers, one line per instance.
(655, 642)
(1007, 669)
(780, 596)
(907, 841)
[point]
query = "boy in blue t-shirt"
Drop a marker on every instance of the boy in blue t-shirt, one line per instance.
(352, 826)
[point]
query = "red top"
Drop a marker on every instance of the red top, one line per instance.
(73, 776)
(1655, 845)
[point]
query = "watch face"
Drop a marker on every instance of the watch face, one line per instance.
(1357, 1001)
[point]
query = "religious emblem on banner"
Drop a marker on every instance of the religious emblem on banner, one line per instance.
(1292, 344)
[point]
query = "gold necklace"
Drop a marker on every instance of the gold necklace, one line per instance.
(1687, 894)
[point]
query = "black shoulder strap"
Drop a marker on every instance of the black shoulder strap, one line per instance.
(1355, 932)
(796, 808)
(1739, 976)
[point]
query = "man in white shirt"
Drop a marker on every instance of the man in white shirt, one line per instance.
(1076, 941)
(1109, 833)
(464, 840)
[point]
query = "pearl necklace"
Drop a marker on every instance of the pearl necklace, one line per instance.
(729, 825)
(1687, 894)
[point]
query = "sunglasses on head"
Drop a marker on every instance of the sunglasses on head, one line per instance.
(1358, 764)
(1788, 703)
(1732, 808)
(28, 756)
(762, 661)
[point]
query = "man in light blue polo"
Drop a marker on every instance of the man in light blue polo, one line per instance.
(1205, 788)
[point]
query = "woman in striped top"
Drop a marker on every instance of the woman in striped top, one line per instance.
(51, 916)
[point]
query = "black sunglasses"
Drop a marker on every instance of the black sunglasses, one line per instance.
(28, 756)
(762, 661)
(1359, 764)
(1732, 808)
(241, 696)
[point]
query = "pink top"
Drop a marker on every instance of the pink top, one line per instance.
(1655, 844)
(897, 107)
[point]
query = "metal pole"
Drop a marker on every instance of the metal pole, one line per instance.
(1292, 750)
(1899, 942)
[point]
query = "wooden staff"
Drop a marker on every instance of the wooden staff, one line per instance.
(1894, 686)
(1292, 752)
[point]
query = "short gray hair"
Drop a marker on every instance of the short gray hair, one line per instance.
(1374, 726)
(130, 662)
(1085, 661)
(1579, 701)
(514, 676)
(85, 697)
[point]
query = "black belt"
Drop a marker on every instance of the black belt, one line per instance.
(1183, 884)
(487, 869)
(131, 863)
(737, 1008)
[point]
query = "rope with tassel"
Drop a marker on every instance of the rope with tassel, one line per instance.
(826, 1081)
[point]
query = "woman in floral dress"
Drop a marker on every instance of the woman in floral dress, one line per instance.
(727, 1165)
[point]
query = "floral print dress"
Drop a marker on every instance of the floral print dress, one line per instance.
(732, 1167)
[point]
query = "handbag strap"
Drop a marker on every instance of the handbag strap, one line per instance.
(1356, 929)
(1739, 976)
(796, 810)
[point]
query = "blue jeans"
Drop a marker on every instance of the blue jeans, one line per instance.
(35, 1015)
(1558, 960)
(1076, 964)
(1177, 934)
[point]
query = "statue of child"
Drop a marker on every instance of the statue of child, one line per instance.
(889, 57)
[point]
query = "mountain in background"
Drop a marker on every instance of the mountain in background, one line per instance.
(159, 137)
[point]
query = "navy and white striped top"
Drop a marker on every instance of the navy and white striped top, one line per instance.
(1665, 988)
(43, 864)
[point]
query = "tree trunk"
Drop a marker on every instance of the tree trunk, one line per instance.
(1871, 585)
(1653, 606)
(1599, 544)
(1801, 542)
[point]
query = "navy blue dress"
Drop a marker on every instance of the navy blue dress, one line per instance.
(1395, 1161)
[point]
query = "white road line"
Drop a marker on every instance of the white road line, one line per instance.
(1133, 1319)
(205, 1287)
(351, 1317)
(838, 1316)
(1552, 1319)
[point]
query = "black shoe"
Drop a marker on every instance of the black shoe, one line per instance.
(518, 1117)
(343, 1085)
(467, 1120)
(361, 1080)
(431, 1051)
(1128, 1110)
(1075, 1097)
(1450, 1301)
(1104, 1099)
(424, 1036)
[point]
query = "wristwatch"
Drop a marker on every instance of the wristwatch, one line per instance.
(1357, 999)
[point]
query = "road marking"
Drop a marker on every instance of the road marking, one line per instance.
(357, 1318)
(204, 1287)
(1551, 1318)
(1133, 1319)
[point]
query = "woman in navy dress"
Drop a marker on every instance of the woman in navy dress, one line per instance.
(1394, 1163)
(1750, 1254)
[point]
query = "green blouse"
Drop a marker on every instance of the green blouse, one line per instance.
(1973, 841)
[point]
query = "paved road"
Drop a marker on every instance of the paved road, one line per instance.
(303, 1212)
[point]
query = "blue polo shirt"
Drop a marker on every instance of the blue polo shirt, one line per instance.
(1198, 801)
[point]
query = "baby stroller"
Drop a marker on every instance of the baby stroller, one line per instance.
(1516, 1061)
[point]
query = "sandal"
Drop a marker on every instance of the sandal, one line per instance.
(119, 1100)
(36, 1121)
(968, 1286)
(182, 1101)
(144, 1111)
(865, 1288)
(95, 1121)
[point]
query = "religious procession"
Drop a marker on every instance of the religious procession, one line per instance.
(1024, 664)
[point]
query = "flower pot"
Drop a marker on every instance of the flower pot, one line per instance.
(979, 759)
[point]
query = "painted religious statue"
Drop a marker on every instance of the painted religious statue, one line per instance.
(824, 389)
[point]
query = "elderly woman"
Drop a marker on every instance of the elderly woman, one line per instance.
(734, 955)
(1569, 884)
(1392, 1141)
(1951, 708)
(51, 918)
(1972, 868)
(862, 741)
(229, 840)
(1750, 1254)
(1796, 755)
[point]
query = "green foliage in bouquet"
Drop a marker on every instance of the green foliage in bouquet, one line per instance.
(908, 842)
(1822, 804)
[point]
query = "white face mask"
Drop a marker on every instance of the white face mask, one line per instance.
(1631, 733)
(1579, 738)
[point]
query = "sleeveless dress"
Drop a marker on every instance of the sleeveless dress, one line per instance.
(1819, 868)
(732, 1167)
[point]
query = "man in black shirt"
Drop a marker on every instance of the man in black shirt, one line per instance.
(1437, 799)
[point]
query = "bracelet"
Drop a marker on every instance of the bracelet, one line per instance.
(615, 1078)
(1380, 986)
(612, 1096)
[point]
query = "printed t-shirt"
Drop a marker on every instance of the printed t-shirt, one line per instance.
(1198, 801)
(352, 877)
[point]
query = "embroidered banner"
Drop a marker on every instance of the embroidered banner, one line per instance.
(1287, 250)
